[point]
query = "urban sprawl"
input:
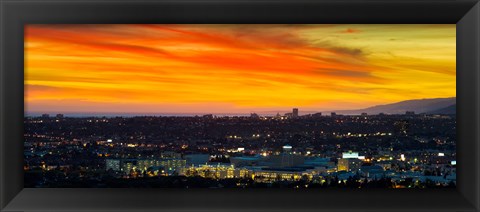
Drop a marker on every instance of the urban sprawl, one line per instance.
(291, 150)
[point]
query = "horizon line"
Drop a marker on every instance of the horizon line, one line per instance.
(264, 112)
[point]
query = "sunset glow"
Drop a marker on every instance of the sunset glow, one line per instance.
(234, 68)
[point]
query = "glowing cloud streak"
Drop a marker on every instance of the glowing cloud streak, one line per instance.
(234, 68)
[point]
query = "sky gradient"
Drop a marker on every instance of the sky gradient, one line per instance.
(234, 68)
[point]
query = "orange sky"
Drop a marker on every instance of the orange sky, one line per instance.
(234, 68)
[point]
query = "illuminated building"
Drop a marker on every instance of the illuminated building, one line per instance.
(218, 171)
(342, 164)
(128, 165)
(348, 164)
(272, 175)
(113, 164)
(354, 164)
(287, 156)
(171, 155)
(171, 164)
(350, 154)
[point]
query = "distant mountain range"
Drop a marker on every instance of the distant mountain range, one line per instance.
(452, 109)
(430, 106)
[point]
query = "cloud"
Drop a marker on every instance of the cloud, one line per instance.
(354, 52)
(350, 31)
(241, 65)
(347, 73)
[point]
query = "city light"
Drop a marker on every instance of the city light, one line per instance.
(235, 156)
(350, 154)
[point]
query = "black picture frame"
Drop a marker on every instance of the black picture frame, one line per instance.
(15, 14)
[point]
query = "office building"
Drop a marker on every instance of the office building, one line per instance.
(295, 112)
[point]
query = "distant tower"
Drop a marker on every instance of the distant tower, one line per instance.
(295, 112)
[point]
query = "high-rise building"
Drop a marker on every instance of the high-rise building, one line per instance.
(295, 112)
(287, 159)
(59, 116)
(348, 164)
(354, 164)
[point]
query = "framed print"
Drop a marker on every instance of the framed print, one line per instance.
(240, 105)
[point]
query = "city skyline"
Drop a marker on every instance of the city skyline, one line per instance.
(421, 106)
(234, 68)
(351, 151)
